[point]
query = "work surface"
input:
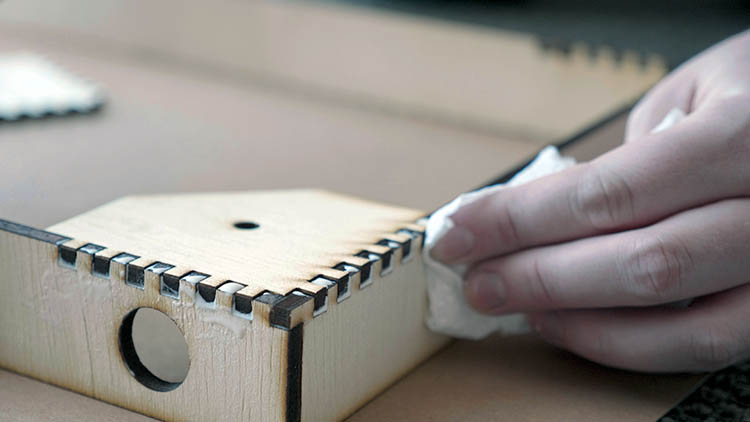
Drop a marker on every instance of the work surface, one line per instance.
(169, 129)
(515, 379)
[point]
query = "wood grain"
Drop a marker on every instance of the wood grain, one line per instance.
(288, 363)
(357, 349)
(60, 325)
(301, 235)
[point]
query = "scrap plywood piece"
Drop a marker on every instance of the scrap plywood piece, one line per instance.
(499, 81)
(297, 305)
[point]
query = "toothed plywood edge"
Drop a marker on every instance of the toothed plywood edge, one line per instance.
(362, 346)
(500, 81)
(309, 246)
(352, 299)
(58, 323)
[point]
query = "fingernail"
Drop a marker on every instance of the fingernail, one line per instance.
(456, 244)
(487, 292)
(548, 326)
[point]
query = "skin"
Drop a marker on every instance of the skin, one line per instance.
(598, 254)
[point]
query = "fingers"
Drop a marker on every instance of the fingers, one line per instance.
(717, 70)
(695, 253)
(701, 160)
(709, 335)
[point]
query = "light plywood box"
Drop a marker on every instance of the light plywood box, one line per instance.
(305, 317)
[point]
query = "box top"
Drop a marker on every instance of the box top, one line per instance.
(294, 244)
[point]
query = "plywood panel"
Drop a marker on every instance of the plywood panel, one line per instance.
(308, 332)
(500, 81)
(60, 325)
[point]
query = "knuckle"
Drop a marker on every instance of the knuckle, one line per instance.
(656, 268)
(603, 199)
(540, 287)
(506, 226)
(714, 349)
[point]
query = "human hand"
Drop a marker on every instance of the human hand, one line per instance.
(596, 253)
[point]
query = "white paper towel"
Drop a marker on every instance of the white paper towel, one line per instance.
(448, 311)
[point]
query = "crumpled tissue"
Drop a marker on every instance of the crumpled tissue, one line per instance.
(448, 312)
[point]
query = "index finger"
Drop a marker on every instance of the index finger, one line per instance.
(632, 185)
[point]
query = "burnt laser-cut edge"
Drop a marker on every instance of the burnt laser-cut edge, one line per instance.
(243, 303)
(386, 266)
(268, 298)
(67, 256)
(395, 245)
(100, 266)
(208, 293)
(159, 268)
(294, 374)
(342, 286)
(124, 258)
(320, 298)
(135, 275)
(133, 362)
(30, 232)
(91, 249)
(281, 311)
(102, 271)
(364, 270)
(195, 274)
(409, 245)
(170, 285)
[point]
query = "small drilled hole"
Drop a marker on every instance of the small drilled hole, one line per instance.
(154, 349)
(246, 225)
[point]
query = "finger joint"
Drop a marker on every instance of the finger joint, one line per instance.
(541, 289)
(506, 228)
(656, 269)
(603, 199)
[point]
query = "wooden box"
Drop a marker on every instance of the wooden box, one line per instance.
(298, 305)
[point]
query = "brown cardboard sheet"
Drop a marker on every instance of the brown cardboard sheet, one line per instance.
(523, 379)
(167, 129)
(23, 399)
(500, 81)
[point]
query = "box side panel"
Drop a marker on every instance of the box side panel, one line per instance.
(61, 325)
(365, 343)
